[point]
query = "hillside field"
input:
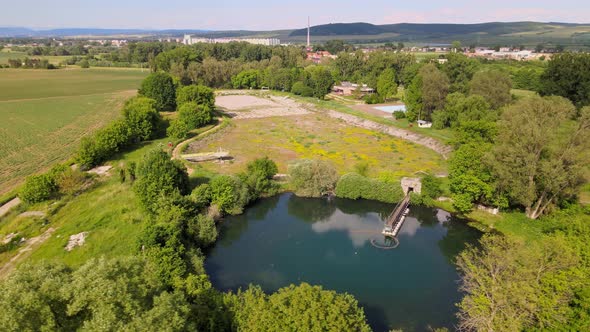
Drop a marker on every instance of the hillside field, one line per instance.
(45, 113)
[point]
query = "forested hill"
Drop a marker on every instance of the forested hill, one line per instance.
(524, 32)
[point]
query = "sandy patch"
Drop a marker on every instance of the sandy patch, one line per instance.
(39, 214)
(240, 102)
(101, 170)
(251, 107)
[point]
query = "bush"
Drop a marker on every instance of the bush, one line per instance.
(190, 116)
(38, 188)
(431, 186)
(229, 194)
(84, 64)
(374, 99)
(300, 89)
(248, 79)
(313, 178)
(399, 115)
(355, 186)
(104, 143)
(142, 118)
(202, 229)
(199, 94)
(159, 176)
(160, 87)
(258, 177)
(201, 196)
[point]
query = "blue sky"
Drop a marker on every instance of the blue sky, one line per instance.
(265, 15)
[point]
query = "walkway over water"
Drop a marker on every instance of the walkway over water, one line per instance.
(396, 218)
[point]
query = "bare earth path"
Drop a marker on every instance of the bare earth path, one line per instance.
(26, 250)
(8, 206)
(428, 142)
(179, 146)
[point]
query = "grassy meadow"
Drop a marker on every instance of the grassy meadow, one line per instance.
(284, 139)
(45, 113)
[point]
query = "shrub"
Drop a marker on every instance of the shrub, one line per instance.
(158, 176)
(201, 195)
(247, 79)
(355, 186)
(312, 178)
(199, 94)
(71, 182)
(258, 177)
(374, 99)
(399, 115)
(229, 194)
(84, 64)
(300, 89)
(106, 142)
(202, 229)
(431, 186)
(142, 118)
(160, 87)
(38, 188)
(190, 116)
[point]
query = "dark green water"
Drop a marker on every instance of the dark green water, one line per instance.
(286, 239)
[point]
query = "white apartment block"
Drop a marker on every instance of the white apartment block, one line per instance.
(189, 40)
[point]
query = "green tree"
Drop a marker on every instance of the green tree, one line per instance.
(159, 176)
(160, 87)
(297, 308)
(494, 86)
(460, 70)
(229, 194)
(190, 116)
(511, 285)
(456, 46)
(31, 299)
(386, 86)
(248, 79)
(313, 178)
(142, 118)
(321, 81)
(434, 90)
(199, 94)
(38, 188)
(568, 75)
(258, 177)
(540, 152)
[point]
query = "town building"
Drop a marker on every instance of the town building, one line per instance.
(190, 40)
(348, 88)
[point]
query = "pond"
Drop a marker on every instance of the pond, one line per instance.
(288, 240)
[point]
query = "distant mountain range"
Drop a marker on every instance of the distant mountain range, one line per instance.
(493, 33)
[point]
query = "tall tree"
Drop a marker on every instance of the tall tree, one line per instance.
(568, 75)
(541, 153)
(160, 87)
(386, 86)
(494, 86)
(460, 69)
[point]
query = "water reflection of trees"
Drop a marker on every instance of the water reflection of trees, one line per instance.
(426, 216)
(233, 227)
(363, 207)
(310, 210)
(458, 236)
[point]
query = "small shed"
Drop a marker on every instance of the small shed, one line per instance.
(424, 124)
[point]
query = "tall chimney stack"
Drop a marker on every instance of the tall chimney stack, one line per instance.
(308, 34)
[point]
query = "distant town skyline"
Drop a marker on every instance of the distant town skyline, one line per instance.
(272, 15)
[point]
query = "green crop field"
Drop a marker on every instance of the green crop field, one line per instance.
(45, 113)
(6, 54)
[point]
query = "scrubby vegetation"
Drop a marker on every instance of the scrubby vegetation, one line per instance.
(355, 186)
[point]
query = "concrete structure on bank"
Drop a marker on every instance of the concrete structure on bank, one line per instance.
(411, 185)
